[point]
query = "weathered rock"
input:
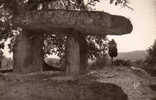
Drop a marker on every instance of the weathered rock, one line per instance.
(28, 54)
(47, 67)
(30, 87)
(62, 21)
(28, 48)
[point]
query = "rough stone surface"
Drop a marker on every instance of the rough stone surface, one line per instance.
(62, 21)
(44, 87)
(134, 83)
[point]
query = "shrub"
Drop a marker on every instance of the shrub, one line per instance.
(151, 58)
(100, 62)
(122, 62)
(6, 63)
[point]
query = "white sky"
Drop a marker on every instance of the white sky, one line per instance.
(143, 20)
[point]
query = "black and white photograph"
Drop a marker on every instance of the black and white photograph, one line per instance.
(77, 49)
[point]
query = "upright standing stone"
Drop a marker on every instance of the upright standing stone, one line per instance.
(72, 56)
(83, 52)
(28, 52)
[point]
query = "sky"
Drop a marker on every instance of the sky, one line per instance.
(143, 18)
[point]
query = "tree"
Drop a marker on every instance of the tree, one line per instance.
(22, 13)
(151, 58)
(113, 51)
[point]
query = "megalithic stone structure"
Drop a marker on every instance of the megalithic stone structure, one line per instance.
(27, 51)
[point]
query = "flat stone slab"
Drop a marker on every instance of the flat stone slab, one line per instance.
(63, 21)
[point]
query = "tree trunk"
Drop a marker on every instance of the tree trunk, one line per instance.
(72, 57)
(27, 52)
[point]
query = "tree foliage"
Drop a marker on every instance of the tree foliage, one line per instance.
(97, 46)
(151, 58)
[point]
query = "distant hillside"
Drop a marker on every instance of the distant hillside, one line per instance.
(134, 55)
